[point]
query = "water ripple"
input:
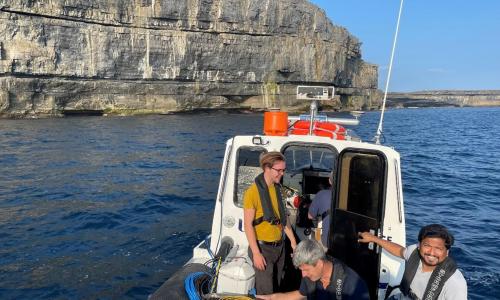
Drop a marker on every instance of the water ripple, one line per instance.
(110, 207)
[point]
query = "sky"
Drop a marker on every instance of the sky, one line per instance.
(442, 44)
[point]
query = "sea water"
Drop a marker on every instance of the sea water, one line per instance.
(110, 207)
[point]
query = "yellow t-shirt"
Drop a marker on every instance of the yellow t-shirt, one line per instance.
(264, 231)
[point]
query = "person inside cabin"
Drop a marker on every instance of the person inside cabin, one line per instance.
(265, 223)
(429, 272)
(320, 211)
(323, 277)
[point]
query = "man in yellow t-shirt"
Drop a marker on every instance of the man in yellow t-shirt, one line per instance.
(265, 221)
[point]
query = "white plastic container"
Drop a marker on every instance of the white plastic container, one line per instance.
(236, 277)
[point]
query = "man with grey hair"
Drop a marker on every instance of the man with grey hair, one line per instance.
(322, 277)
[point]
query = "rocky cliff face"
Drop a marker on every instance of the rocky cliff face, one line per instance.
(146, 56)
(444, 98)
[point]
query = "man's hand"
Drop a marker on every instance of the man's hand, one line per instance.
(259, 261)
(391, 247)
(366, 237)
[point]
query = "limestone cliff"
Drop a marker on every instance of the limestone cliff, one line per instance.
(145, 56)
(444, 98)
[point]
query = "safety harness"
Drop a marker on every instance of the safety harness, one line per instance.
(338, 278)
(439, 276)
(265, 200)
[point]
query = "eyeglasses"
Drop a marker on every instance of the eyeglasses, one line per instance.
(279, 170)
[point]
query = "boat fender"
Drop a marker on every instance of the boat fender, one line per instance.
(173, 288)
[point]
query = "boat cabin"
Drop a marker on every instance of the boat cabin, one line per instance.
(366, 196)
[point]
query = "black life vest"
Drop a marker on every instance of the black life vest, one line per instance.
(439, 276)
(337, 279)
(265, 200)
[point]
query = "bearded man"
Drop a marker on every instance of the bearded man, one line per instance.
(429, 272)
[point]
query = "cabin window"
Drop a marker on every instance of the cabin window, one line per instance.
(361, 187)
(247, 168)
(308, 167)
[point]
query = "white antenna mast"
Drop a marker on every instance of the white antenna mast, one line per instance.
(379, 129)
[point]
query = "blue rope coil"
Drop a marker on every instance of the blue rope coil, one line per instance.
(189, 285)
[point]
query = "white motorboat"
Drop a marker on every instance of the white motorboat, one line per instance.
(367, 196)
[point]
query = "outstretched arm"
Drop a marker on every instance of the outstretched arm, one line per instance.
(290, 235)
(295, 295)
(392, 248)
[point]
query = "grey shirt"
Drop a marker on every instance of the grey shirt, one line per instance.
(321, 203)
(455, 288)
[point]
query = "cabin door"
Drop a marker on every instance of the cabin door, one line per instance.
(358, 207)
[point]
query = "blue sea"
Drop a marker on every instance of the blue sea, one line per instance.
(110, 207)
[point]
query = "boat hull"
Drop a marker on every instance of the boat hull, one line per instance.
(173, 288)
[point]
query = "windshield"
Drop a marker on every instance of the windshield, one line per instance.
(303, 157)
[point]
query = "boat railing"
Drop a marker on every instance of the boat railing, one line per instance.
(325, 118)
